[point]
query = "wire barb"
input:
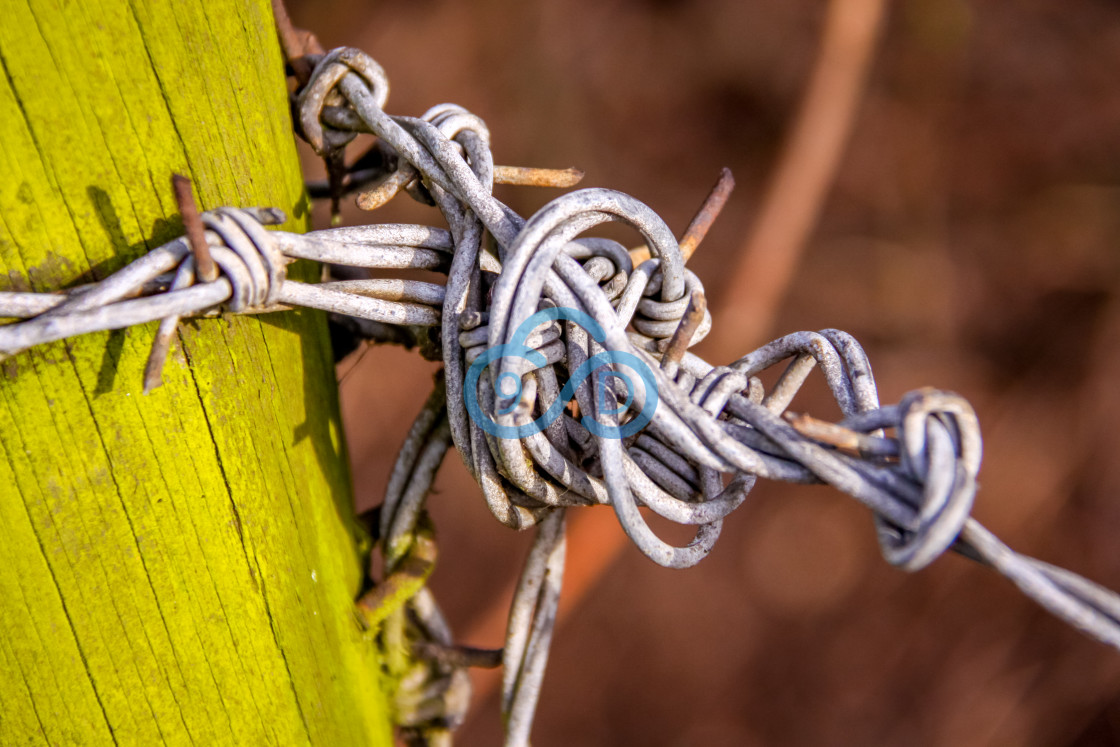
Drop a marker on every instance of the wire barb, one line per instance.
(690, 323)
(702, 222)
(525, 176)
(195, 231)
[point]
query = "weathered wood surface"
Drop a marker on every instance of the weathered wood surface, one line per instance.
(177, 567)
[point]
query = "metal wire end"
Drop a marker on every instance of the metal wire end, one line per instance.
(527, 176)
(386, 188)
(459, 656)
(701, 222)
(845, 439)
(196, 239)
(707, 214)
(690, 322)
(161, 343)
(296, 43)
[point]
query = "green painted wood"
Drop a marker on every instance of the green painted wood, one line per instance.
(178, 567)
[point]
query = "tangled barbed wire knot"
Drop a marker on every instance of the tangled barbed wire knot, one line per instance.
(322, 92)
(566, 382)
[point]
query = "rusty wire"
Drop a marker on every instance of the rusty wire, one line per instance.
(714, 432)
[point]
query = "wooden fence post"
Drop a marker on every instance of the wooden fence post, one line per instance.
(181, 566)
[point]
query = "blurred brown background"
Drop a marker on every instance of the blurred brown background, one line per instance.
(971, 241)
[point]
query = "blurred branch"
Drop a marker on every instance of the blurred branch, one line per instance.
(805, 171)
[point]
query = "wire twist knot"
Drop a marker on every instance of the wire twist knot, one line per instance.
(323, 90)
(940, 450)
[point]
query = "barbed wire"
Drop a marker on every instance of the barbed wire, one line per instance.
(636, 420)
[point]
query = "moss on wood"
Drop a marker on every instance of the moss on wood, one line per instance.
(178, 567)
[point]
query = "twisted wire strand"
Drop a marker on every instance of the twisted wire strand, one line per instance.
(604, 408)
(161, 284)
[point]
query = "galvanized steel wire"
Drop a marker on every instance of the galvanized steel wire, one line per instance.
(715, 429)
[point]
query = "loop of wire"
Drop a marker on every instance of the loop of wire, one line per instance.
(715, 429)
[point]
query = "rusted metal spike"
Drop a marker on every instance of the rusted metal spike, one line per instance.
(701, 222)
(196, 232)
(682, 336)
(528, 176)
